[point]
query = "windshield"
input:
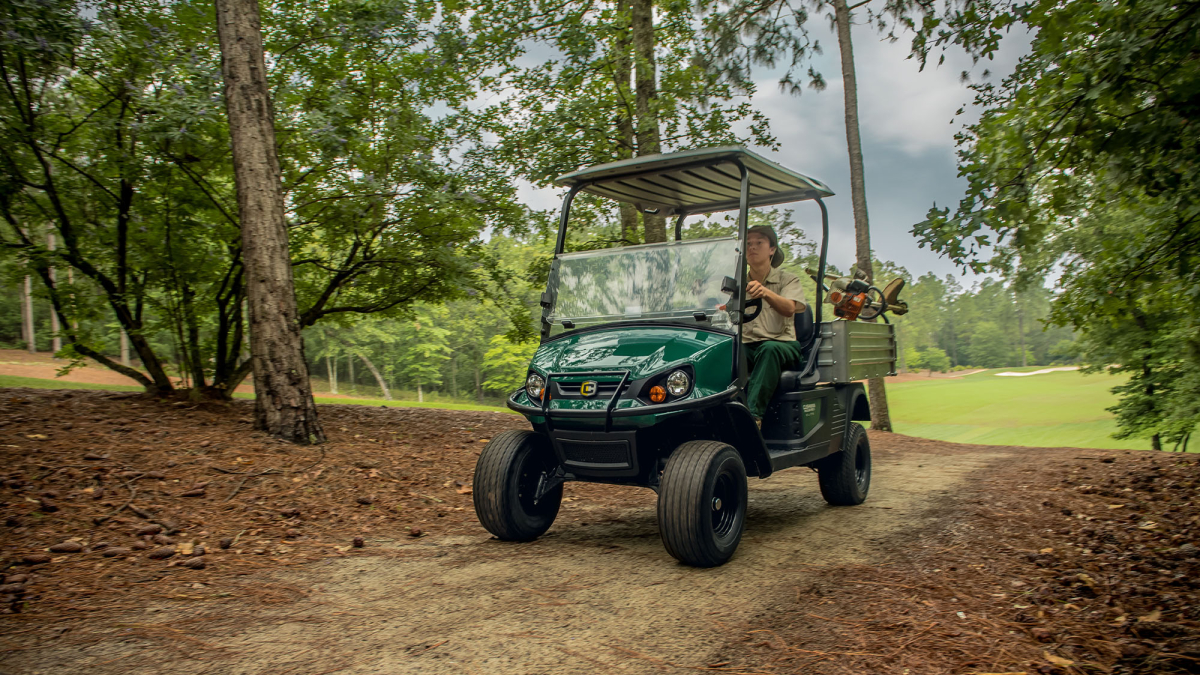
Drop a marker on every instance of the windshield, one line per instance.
(671, 280)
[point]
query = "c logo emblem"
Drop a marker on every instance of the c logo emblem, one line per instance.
(588, 389)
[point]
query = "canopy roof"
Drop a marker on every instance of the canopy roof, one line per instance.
(695, 181)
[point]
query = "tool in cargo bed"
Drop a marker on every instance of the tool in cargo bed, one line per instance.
(853, 297)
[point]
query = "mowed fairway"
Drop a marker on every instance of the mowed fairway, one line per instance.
(1061, 409)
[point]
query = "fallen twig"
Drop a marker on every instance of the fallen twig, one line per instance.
(238, 489)
(132, 493)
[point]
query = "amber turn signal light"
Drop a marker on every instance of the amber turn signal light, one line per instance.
(658, 394)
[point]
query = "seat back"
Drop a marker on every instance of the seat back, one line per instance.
(806, 326)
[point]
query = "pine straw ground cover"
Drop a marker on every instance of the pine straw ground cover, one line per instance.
(104, 495)
(1083, 563)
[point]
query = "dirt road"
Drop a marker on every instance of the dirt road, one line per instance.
(597, 594)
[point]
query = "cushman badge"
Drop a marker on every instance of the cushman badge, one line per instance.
(588, 389)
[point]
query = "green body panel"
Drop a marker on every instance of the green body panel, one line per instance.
(644, 352)
(811, 414)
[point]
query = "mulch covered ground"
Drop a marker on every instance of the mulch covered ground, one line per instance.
(105, 495)
(1086, 562)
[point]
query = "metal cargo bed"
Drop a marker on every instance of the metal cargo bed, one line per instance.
(856, 350)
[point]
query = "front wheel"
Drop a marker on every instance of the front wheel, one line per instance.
(845, 476)
(702, 503)
(506, 481)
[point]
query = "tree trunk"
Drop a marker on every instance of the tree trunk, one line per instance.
(478, 386)
(1156, 443)
(124, 348)
(28, 330)
(649, 141)
(283, 402)
(626, 138)
(454, 375)
(55, 339)
(387, 395)
(420, 394)
(1021, 334)
(880, 419)
(350, 375)
(331, 372)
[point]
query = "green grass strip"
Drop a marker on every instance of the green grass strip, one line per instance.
(7, 381)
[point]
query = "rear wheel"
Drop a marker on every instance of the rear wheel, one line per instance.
(506, 481)
(702, 503)
(845, 476)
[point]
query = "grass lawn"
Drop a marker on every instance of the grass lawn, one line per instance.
(404, 404)
(1048, 410)
(37, 383)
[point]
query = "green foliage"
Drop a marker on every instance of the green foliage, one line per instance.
(988, 346)
(113, 138)
(929, 358)
(507, 364)
(574, 106)
(1084, 163)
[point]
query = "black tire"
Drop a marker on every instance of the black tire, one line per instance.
(845, 476)
(702, 503)
(506, 478)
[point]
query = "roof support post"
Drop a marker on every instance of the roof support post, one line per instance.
(741, 369)
(562, 220)
(679, 226)
(821, 261)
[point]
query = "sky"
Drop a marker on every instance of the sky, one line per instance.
(907, 124)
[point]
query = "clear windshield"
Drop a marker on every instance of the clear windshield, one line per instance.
(672, 280)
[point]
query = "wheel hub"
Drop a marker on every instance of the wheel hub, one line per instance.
(716, 503)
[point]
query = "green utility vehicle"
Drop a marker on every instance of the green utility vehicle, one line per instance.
(640, 377)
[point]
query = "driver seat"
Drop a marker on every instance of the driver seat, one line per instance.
(806, 328)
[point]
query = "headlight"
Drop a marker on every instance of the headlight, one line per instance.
(534, 386)
(678, 383)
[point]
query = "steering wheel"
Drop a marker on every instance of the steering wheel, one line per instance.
(747, 317)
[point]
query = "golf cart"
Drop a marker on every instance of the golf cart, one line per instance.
(640, 376)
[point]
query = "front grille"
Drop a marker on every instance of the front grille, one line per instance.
(570, 390)
(612, 454)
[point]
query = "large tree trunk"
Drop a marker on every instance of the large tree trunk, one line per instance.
(283, 401)
(28, 331)
(378, 377)
(880, 419)
(626, 138)
(649, 141)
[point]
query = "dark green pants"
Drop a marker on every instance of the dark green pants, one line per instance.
(767, 359)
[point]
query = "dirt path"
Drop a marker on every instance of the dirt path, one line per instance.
(598, 594)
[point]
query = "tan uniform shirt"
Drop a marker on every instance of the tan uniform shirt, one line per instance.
(771, 325)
